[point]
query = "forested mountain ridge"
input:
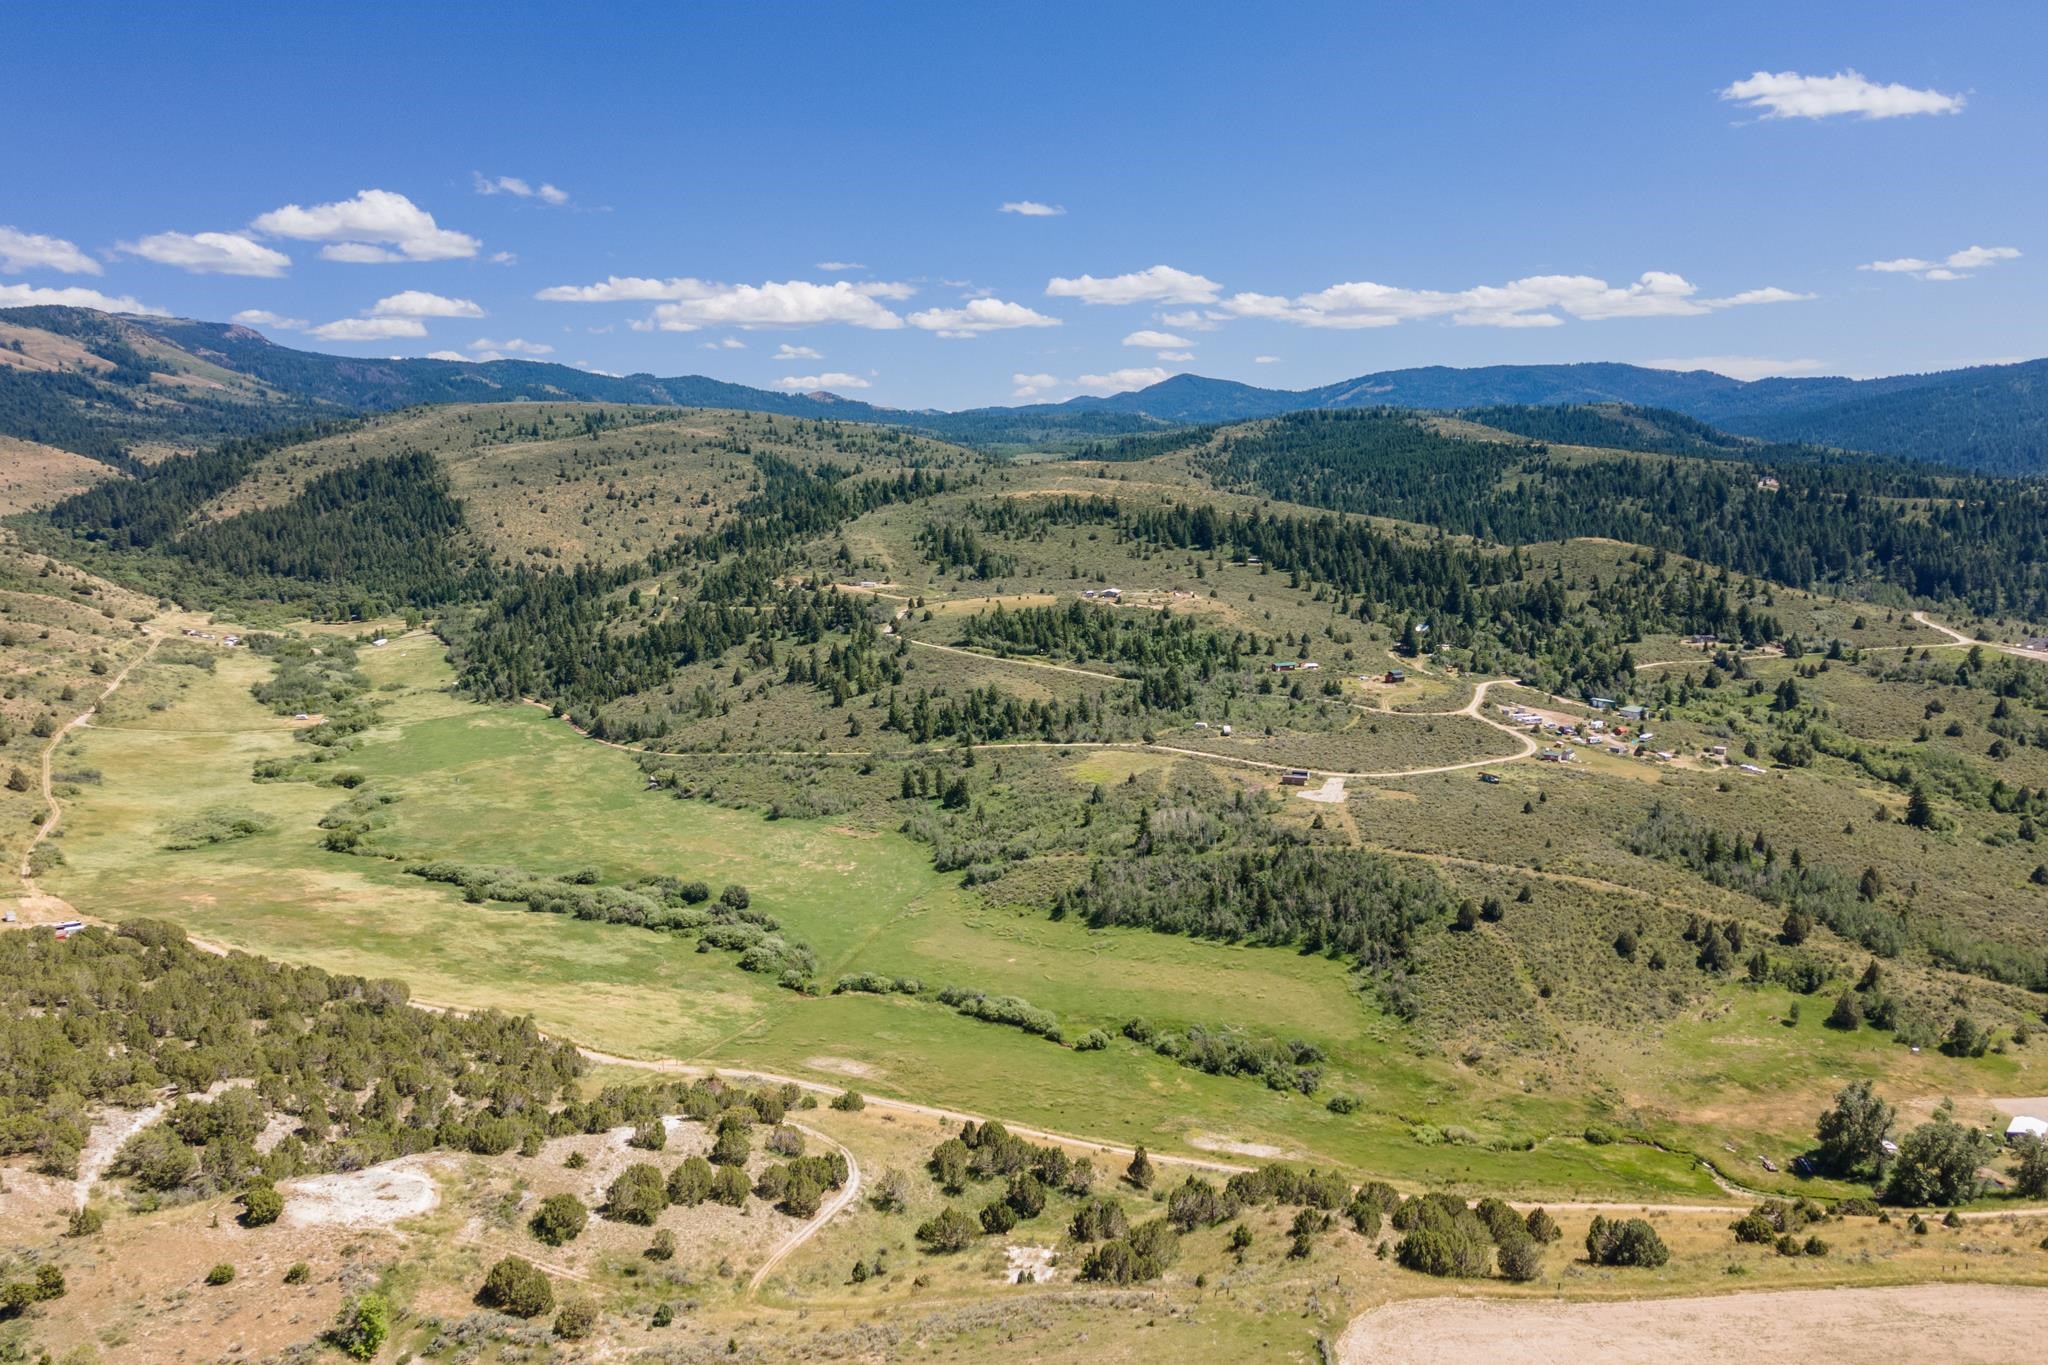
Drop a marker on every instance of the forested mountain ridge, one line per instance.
(1988, 417)
(102, 385)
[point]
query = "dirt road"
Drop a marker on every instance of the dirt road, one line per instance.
(1956, 637)
(1948, 1322)
(32, 897)
(1094, 673)
(843, 1200)
(673, 1068)
(1524, 744)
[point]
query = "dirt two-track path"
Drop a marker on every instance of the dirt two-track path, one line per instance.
(844, 1199)
(33, 898)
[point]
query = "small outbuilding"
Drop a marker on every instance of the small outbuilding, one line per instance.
(2026, 1126)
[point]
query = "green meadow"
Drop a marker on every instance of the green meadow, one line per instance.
(510, 785)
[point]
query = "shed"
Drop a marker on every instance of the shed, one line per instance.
(2026, 1126)
(1599, 703)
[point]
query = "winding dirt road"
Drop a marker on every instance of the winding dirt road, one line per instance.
(32, 896)
(844, 1199)
(1471, 709)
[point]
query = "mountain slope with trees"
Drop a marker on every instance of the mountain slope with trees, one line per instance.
(133, 387)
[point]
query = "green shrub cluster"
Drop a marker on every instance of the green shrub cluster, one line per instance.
(216, 825)
(1002, 1009)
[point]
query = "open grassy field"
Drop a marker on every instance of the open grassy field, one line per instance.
(508, 785)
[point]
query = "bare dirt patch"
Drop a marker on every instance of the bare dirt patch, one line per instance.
(1956, 1322)
(373, 1197)
(1330, 793)
(115, 1127)
(1265, 1151)
(842, 1066)
(1028, 1265)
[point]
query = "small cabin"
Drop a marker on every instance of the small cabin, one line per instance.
(1395, 675)
(1282, 666)
(1294, 777)
(1599, 703)
(1632, 712)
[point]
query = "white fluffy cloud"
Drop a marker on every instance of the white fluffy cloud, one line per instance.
(1519, 303)
(831, 379)
(1031, 208)
(618, 289)
(415, 303)
(726, 344)
(1739, 366)
(374, 227)
(1265, 360)
(788, 352)
(30, 295)
(1974, 256)
(1117, 381)
(369, 329)
(484, 347)
(688, 304)
(1159, 284)
(1955, 266)
(456, 356)
(1194, 320)
(978, 316)
(839, 267)
(210, 253)
(1787, 94)
(792, 303)
(21, 251)
(1032, 385)
(263, 317)
(519, 189)
(1157, 340)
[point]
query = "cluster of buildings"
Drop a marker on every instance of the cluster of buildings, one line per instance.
(1622, 739)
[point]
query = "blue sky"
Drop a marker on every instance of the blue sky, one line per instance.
(814, 195)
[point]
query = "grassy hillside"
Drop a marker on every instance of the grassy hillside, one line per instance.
(1003, 788)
